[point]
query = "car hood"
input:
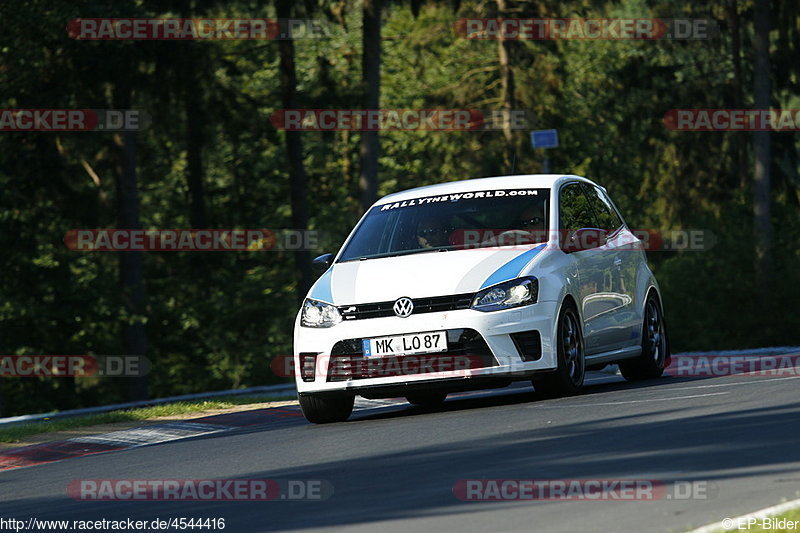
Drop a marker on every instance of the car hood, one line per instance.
(420, 275)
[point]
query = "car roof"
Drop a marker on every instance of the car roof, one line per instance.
(525, 181)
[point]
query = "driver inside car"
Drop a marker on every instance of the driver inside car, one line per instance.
(431, 233)
(528, 228)
(532, 218)
(532, 222)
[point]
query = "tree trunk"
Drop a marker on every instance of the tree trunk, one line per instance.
(294, 152)
(761, 181)
(193, 135)
(191, 61)
(194, 155)
(371, 83)
(507, 95)
(738, 143)
(131, 271)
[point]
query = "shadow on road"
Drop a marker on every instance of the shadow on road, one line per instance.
(399, 464)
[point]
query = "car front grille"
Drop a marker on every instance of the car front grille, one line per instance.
(347, 360)
(421, 305)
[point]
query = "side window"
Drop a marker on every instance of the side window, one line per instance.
(574, 209)
(607, 217)
(614, 213)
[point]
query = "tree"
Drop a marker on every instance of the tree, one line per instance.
(294, 150)
(737, 99)
(371, 84)
(131, 268)
(761, 144)
(507, 100)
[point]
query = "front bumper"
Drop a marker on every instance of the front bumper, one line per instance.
(494, 328)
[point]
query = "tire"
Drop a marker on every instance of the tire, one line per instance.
(567, 379)
(426, 399)
(326, 409)
(655, 348)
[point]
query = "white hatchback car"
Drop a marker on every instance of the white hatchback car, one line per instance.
(475, 284)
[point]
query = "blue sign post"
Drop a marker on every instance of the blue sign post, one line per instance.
(545, 139)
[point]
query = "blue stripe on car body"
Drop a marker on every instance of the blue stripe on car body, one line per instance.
(512, 269)
(322, 288)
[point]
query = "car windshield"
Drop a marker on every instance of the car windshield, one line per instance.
(477, 219)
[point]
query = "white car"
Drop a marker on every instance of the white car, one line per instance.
(475, 284)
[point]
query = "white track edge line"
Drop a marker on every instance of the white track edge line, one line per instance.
(762, 513)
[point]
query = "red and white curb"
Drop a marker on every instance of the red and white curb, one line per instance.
(132, 438)
(51, 452)
(142, 436)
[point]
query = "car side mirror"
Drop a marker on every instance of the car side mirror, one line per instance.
(322, 263)
(586, 239)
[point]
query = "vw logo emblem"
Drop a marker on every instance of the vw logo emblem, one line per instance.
(403, 307)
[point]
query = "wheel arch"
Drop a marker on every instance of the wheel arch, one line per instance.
(569, 299)
(656, 292)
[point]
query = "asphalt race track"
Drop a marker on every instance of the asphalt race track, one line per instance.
(393, 467)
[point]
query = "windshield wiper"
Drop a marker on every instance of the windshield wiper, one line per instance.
(397, 254)
(419, 251)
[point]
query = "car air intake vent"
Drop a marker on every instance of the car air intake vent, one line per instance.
(421, 305)
(529, 345)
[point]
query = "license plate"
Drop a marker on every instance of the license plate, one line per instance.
(431, 342)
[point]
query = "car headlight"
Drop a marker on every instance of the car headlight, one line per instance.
(514, 293)
(319, 315)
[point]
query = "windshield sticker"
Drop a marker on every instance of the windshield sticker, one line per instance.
(455, 197)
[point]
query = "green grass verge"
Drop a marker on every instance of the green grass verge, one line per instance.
(17, 433)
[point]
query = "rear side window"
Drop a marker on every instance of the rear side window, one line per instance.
(606, 215)
(574, 209)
